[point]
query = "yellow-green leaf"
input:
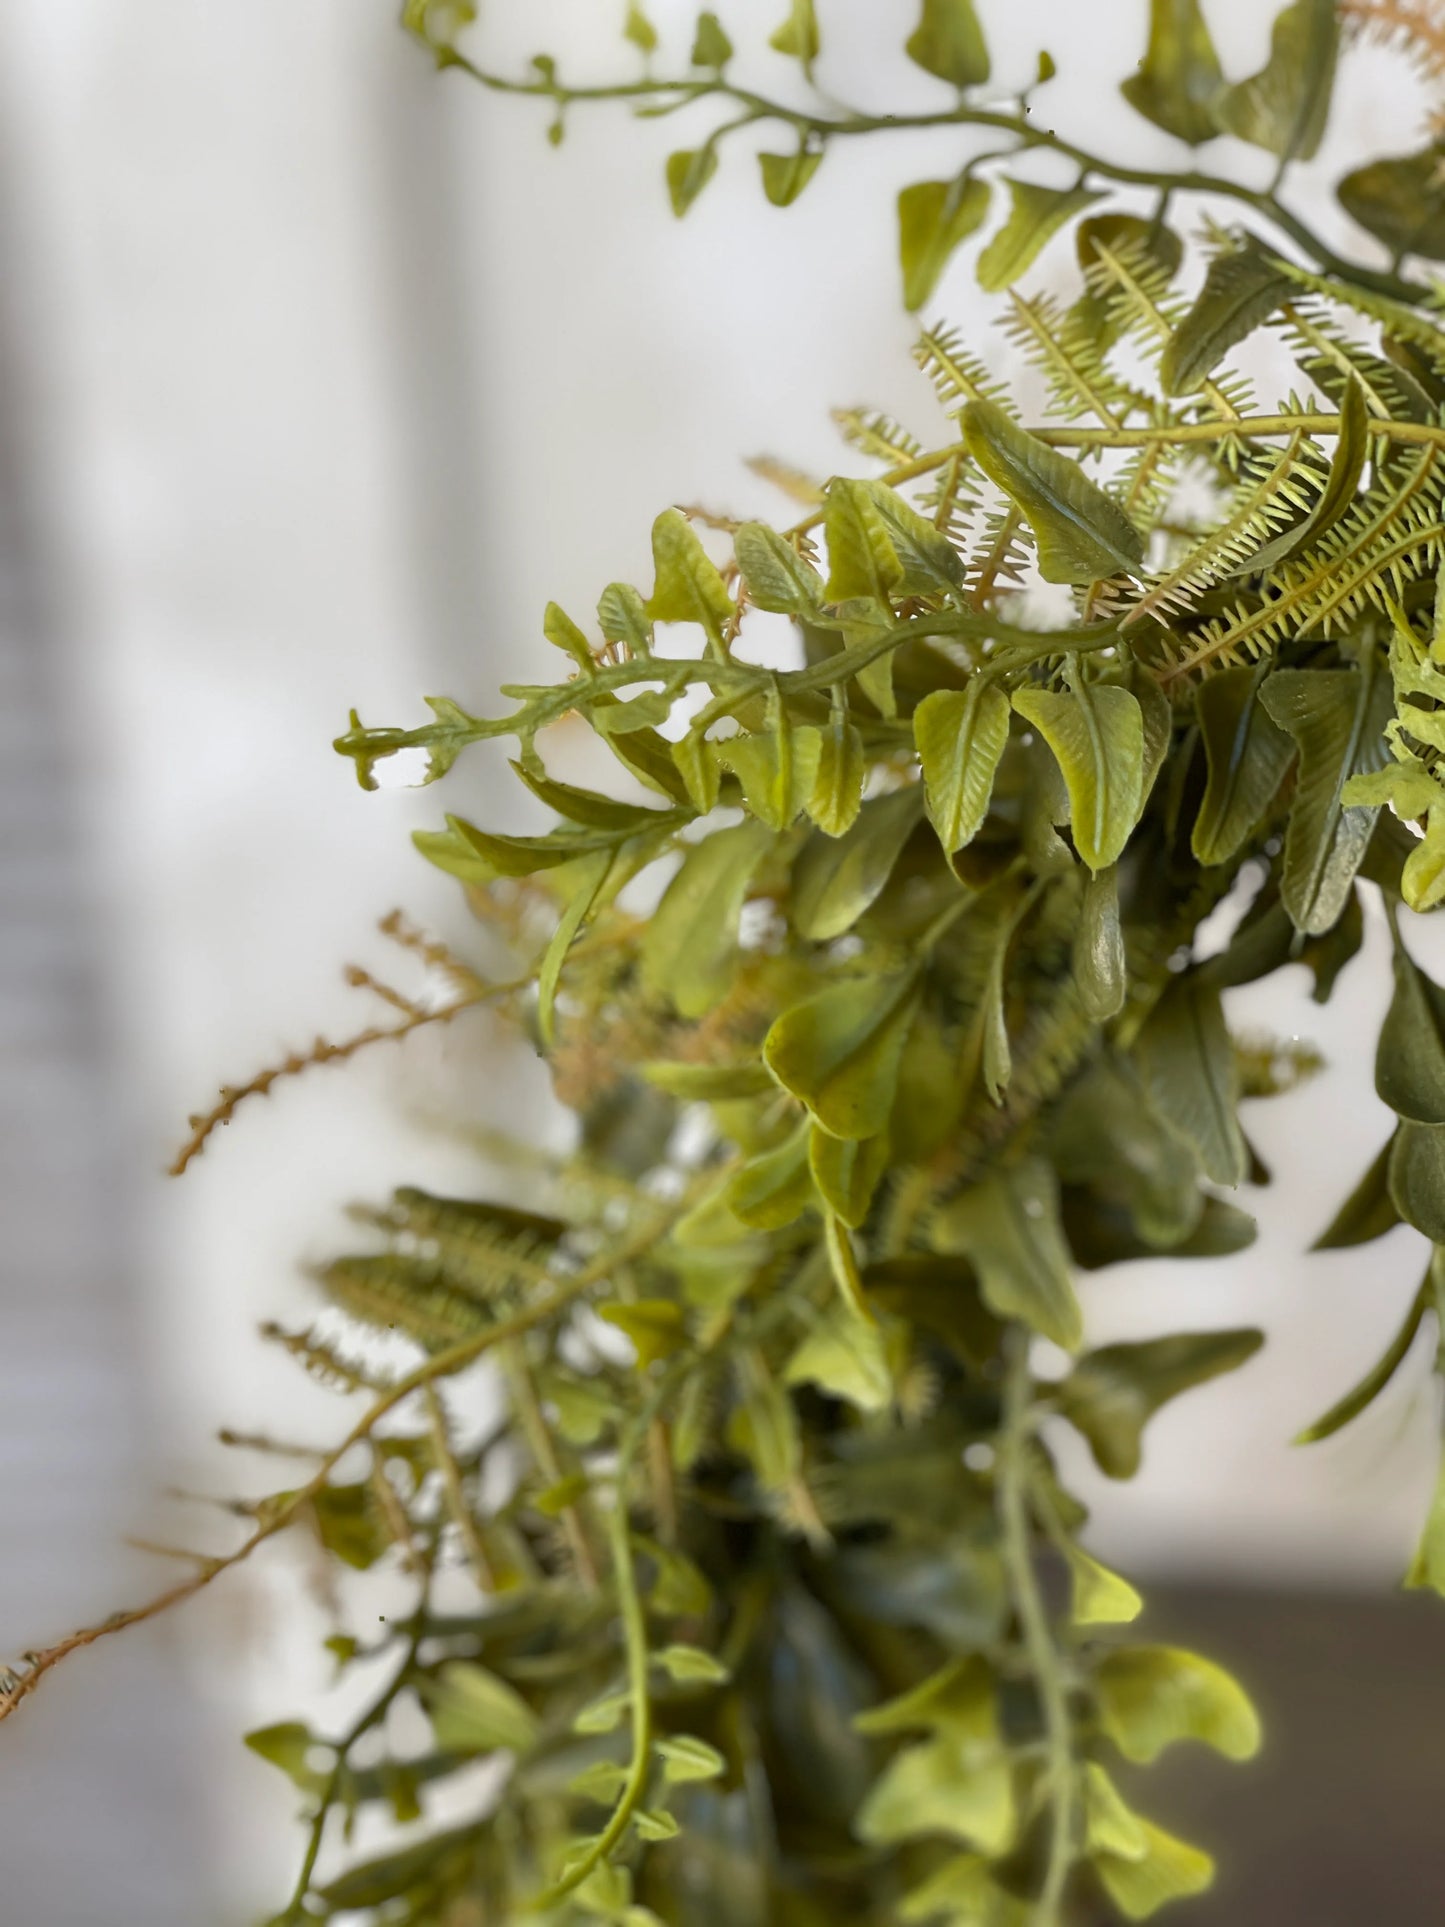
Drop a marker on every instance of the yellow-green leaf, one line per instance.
(941, 1787)
(1083, 535)
(836, 878)
(934, 218)
(1100, 1597)
(1096, 733)
(688, 172)
(1149, 1697)
(689, 945)
(1167, 1869)
(949, 42)
(840, 1051)
(1427, 1568)
(656, 1326)
(778, 578)
(472, 1711)
(688, 587)
(775, 1189)
(786, 175)
(1100, 968)
(798, 34)
(686, 1759)
(960, 735)
(844, 1355)
(1035, 218)
(842, 770)
(847, 1171)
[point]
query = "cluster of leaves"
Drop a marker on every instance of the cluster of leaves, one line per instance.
(878, 986)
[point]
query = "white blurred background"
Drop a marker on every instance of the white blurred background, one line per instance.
(319, 375)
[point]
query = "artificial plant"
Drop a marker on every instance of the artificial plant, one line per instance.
(877, 988)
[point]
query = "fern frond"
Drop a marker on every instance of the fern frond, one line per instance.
(794, 482)
(1271, 490)
(394, 1292)
(957, 376)
(1405, 324)
(325, 1360)
(1328, 358)
(1002, 556)
(1361, 563)
(877, 435)
(1069, 354)
(1141, 308)
(952, 502)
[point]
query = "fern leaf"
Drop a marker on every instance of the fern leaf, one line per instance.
(1405, 324)
(957, 376)
(877, 435)
(394, 1292)
(1068, 352)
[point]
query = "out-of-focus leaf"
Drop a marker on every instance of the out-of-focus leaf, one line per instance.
(472, 1711)
(786, 175)
(1112, 1393)
(836, 878)
(1286, 105)
(1190, 1070)
(1149, 1697)
(1035, 218)
(1100, 968)
(1369, 1211)
(1007, 1226)
(1417, 1177)
(1363, 1395)
(1400, 201)
(1179, 75)
(1410, 1059)
(689, 945)
(840, 1051)
(688, 172)
(949, 42)
(934, 218)
(1246, 755)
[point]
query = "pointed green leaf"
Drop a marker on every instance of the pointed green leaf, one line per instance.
(1112, 1393)
(786, 175)
(639, 29)
(1369, 1211)
(963, 1893)
(1347, 466)
(700, 769)
(1167, 1869)
(587, 808)
(1337, 717)
(688, 172)
(1242, 289)
(1375, 1381)
(1007, 1226)
(1284, 107)
(1399, 201)
(778, 769)
(1035, 218)
(798, 34)
(1179, 75)
(1245, 754)
(1410, 1058)
(934, 218)
(961, 735)
(688, 586)
(478, 856)
(656, 1326)
(686, 1759)
(1189, 1068)
(691, 1666)
(1096, 733)
(930, 1789)
(1100, 969)
(689, 945)
(1083, 535)
(1149, 1697)
(591, 876)
(836, 878)
(840, 1051)
(562, 632)
(291, 1746)
(1100, 1597)
(1110, 1826)
(949, 42)
(710, 44)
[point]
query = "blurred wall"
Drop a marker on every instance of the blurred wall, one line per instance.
(334, 372)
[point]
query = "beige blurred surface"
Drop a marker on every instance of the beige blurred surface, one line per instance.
(334, 373)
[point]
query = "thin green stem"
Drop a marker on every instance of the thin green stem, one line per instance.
(811, 124)
(1014, 1440)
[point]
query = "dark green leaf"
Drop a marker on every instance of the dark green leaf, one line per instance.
(1112, 1393)
(1337, 717)
(689, 945)
(1246, 755)
(1369, 1211)
(1400, 202)
(1242, 289)
(1007, 1226)
(1285, 107)
(1189, 1067)
(1417, 1177)
(1100, 969)
(1378, 1377)
(1410, 1059)
(1352, 451)
(1180, 75)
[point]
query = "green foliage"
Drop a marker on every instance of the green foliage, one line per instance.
(742, 1588)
